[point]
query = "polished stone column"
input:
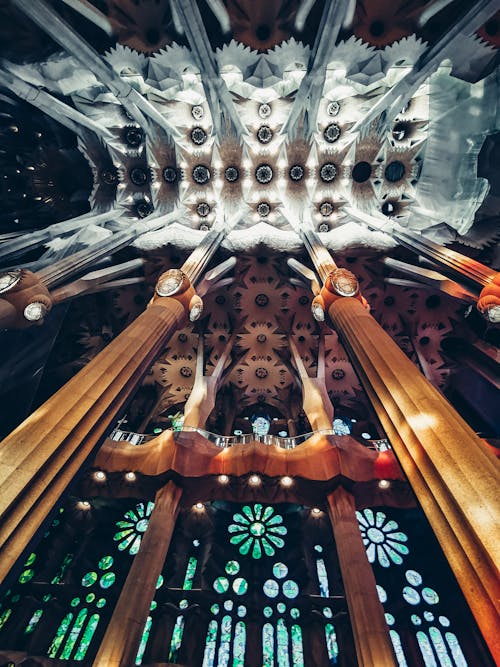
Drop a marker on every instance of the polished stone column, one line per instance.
(371, 634)
(40, 458)
(452, 474)
(122, 638)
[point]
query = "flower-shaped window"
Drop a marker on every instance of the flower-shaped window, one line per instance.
(131, 531)
(257, 530)
(381, 538)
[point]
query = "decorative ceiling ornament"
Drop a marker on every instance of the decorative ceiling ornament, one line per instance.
(383, 22)
(261, 24)
(143, 25)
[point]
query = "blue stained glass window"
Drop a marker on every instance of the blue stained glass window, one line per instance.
(225, 641)
(455, 649)
(87, 637)
(282, 636)
(33, 621)
(268, 645)
(331, 644)
(440, 647)
(210, 644)
(74, 634)
(297, 650)
(239, 644)
(341, 426)
(426, 649)
(398, 648)
(324, 589)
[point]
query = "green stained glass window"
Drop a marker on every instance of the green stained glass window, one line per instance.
(430, 596)
(239, 644)
(440, 647)
(101, 602)
(74, 634)
(268, 645)
(280, 570)
(294, 612)
(221, 584)
(267, 611)
(455, 649)
(297, 649)
(89, 579)
(190, 572)
(75, 602)
(210, 644)
(240, 586)
(33, 621)
(282, 636)
(26, 575)
(68, 559)
(159, 583)
(144, 640)
(242, 611)
(426, 650)
(331, 644)
(130, 534)
(290, 589)
(31, 559)
(87, 637)
(271, 588)
(176, 641)
(257, 530)
(60, 634)
(215, 609)
(89, 598)
(107, 580)
(324, 589)
(232, 567)
(106, 562)
(4, 617)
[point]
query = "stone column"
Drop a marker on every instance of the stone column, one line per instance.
(122, 638)
(371, 634)
(452, 474)
(40, 458)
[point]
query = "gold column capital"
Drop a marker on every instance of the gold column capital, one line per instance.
(175, 284)
(24, 299)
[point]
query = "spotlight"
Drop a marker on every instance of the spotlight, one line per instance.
(199, 507)
(83, 505)
(223, 479)
(286, 481)
(315, 511)
(99, 476)
(254, 480)
(384, 484)
(130, 476)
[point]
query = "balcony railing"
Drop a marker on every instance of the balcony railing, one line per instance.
(224, 441)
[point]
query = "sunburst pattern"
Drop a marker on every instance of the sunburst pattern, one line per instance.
(258, 531)
(381, 538)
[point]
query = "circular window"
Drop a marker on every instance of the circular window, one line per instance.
(138, 176)
(232, 567)
(89, 579)
(231, 174)
(264, 134)
(296, 172)
(201, 174)
(203, 209)
(290, 589)
(221, 584)
(107, 580)
(240, 586)
(413, 577)
(411, 595)
(271, 588)
(394, 171)
(198, 136)
(263, 209)
(361, 172)
(170, 175)
(331, 133)
(430, 596)
(328, 172)
(280, 570)
(264, 174)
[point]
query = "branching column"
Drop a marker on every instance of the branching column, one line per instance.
(451, 472)
(371, 636)
(121, 642)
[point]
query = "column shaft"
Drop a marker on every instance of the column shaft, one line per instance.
(122, 638)
(450, 470)
(40, 458)
(371, 635)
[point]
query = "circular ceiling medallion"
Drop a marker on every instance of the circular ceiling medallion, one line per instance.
(186, 372)
(324, 227)
(170, 282)
(109, 176)
(328, 172)
(338, 374)
(265, 110)
(264, 174)
(170, 174)
(261, 372)
(343, 282)
(263, 209)
(331, 133)
(261, 338)
(198, 136)
(201, 174)
(143, 208)
(203, 209)
(231, 174)
(262, 300)
(361, 172)
(332, 108)
(394, 171)
(264, 134)
(8, 279)
(133, 136)
(197, 112)
(296, 172)
(326, 208)
(139, 176)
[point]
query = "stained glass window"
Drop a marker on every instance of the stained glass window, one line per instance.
(176, 641)
(261, 425)
(331, 644)
(190, 572)
(257, 530)
(388, 548)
